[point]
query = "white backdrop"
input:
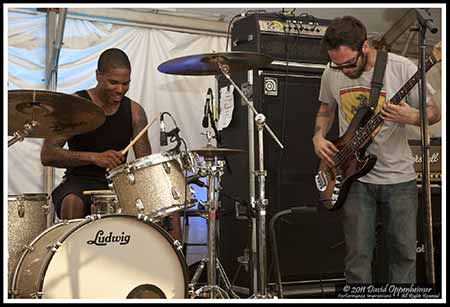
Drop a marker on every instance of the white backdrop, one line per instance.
(83, 42)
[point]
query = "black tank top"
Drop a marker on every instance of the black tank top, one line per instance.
(115, 133)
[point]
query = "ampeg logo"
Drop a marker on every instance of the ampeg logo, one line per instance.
(270, 86)
(101, 239)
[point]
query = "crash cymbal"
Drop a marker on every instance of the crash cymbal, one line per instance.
(207, 64)
(56, 114)
(212, 151)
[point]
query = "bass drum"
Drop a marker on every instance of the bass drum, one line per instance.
(113, 257)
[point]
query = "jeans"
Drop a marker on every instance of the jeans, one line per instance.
(397, 208)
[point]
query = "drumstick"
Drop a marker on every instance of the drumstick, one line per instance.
(139, 135)
(91, 192)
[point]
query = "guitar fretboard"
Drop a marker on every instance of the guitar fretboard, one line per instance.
(365, 132)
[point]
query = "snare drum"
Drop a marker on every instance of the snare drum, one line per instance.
(27, 218)
(152, 186)
(113, 257)
(103, 202)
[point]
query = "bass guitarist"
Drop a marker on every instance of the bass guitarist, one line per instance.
(389, 188)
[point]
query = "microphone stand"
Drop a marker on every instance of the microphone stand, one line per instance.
(425, 22)
(262, 202)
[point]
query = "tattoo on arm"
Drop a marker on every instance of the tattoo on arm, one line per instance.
(324, 120)
(53, 154)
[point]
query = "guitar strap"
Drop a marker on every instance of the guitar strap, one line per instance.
(377, 79)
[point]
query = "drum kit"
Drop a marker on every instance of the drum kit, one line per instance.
(120, 250)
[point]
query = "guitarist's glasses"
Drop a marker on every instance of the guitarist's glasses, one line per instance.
(349, 64)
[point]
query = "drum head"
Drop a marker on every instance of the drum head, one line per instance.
(116, 257)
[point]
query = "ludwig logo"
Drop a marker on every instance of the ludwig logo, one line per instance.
(101, 239)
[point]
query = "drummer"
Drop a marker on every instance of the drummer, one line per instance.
(90, 154)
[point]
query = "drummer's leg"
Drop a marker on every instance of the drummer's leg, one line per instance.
(70, 202)
(72, 207)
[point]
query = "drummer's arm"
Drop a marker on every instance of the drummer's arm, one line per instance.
(142, 146)
(53, 154)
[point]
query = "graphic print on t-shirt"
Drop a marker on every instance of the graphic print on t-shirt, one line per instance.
(354, 97)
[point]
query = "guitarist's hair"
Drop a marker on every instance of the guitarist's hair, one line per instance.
(345, 31)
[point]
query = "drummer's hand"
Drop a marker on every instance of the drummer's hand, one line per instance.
(109, 159)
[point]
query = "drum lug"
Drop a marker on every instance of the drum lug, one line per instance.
(177, 245)
(46, 209)
(130, 175)
(21, 210)
(139, 206)
(166, 167)
(37, 295)
(54, 247)
(93, 217)
(28, 247)
(175, 193)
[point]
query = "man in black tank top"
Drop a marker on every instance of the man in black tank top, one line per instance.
(90, 154)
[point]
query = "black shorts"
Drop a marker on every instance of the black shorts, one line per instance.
(76, 185)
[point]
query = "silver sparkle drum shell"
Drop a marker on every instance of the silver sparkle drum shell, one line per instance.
(153, 186)
(103, 203)
(27, 218)
(113, 257)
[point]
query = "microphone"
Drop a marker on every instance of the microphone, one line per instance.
(206, 110)
(162, 133)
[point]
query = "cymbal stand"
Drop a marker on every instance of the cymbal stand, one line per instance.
(261, 202)
(20, 134)
(213, 170)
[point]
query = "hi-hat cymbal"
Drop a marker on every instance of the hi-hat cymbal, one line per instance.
(212, 151)
(56, 114)
(208, 63)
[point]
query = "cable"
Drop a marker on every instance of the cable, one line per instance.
(229, 28)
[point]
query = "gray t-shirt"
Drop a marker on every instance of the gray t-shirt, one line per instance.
(395, 163)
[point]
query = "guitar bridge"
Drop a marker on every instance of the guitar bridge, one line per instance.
(321, 181)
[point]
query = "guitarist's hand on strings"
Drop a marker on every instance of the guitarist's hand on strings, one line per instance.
(324, 149)
(401, 113)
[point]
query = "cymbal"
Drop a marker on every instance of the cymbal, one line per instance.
(207, 64)
(56, 114)
(212, 151)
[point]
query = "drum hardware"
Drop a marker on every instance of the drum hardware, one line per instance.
(40, 114)
(262, 202)
(224, 63)
(213, 170)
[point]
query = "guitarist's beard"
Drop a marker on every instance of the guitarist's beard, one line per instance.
(357, 72)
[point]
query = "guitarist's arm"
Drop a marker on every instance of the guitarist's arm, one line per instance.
(323, 148)
(403, 113)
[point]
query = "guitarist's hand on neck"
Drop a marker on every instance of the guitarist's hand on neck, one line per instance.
(403, 113)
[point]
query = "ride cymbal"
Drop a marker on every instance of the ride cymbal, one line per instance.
(208, 63)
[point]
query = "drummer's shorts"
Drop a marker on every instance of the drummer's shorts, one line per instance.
(76, 185)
